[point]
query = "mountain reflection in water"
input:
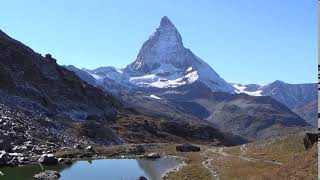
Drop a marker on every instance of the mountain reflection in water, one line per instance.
(116, 169)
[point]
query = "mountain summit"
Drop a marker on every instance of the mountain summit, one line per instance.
(163, 62)
(160, 46)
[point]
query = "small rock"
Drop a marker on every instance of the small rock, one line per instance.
(152, 156)
(48, 56)
(187, 148)
(65, 148)
(23, 160)
(78, 146)
(1, 173)
(90, 148)
(51, 144)
(19, 149)
(50, 151)
(48, 159)
(16, 154)
(38, 150)
(60, 160)
(47, 175)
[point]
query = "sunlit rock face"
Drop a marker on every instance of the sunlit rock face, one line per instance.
(163, 62)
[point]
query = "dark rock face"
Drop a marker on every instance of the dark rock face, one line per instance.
(187, 148)
(309, 139)
(47, 175)
(29, 75)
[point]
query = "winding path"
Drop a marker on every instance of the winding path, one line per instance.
(243, 150)
(209, 166)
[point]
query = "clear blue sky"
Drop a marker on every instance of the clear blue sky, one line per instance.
(246, 41)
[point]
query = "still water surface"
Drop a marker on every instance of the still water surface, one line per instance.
(113, 169)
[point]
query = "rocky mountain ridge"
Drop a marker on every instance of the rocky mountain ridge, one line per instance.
(300, 98)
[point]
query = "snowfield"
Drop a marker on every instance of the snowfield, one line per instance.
(242, 89)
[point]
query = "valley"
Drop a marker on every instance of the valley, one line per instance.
(59, 115)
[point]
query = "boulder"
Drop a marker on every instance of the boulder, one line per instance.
(152, 156)
(187, 148)
(4, 157)
(50, 58)
(16, 154)
(78, 146)
(20, 149)
(309, 139)
(13, 162)
(60, 160)
(48, 159)
(47, 175)
(90, 148)
(38, 150)
(23, 160)
(51, 144)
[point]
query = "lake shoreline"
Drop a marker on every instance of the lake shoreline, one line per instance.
(69, 156)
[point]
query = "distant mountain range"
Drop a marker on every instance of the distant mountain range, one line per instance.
(173, 79)
(300, 98)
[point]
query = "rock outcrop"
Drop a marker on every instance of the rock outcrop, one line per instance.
(48, 159)
(187, 148)
(47, 175)
(309, 140)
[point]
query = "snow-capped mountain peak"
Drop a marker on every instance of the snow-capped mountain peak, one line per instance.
(161, 45)
(163, 62)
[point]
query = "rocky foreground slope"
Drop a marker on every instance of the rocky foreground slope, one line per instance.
(27, 74)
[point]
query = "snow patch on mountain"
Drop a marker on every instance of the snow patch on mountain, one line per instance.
(97, 77)
(159, 81)
(243, 89)
(155, 97)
